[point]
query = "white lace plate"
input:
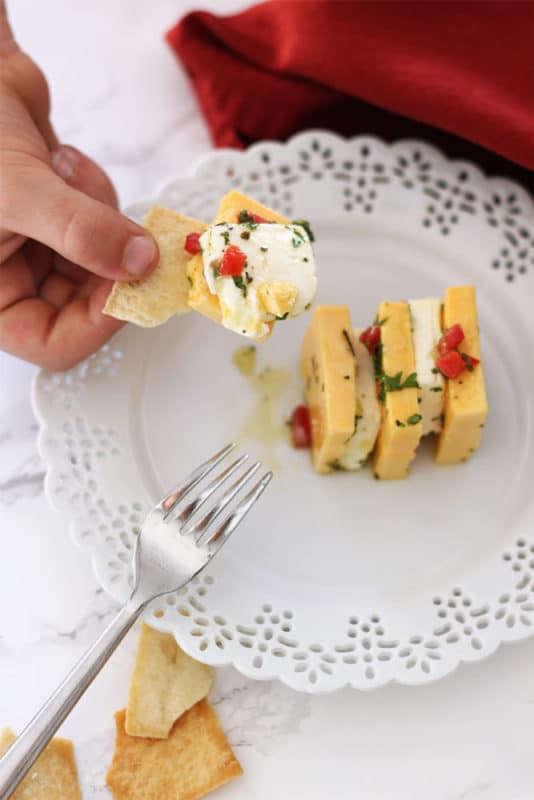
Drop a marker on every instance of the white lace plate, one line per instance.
(337, 580)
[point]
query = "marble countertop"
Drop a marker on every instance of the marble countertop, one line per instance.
(119, 95)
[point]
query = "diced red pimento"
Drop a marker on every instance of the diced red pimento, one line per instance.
(451, 339)
(192, 243)
(370, 337)
(233, 261)
(300, 425)
(451, 364)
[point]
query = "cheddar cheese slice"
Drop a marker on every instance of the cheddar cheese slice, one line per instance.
(401, 427)
(328, 368)
(466, 405)
(200, 297)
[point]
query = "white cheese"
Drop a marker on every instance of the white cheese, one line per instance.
(426, 327)
(367, 423)
(276, 254)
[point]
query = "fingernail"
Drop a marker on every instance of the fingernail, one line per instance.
(64, 161)
(139, 254)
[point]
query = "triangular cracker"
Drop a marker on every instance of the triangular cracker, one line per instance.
(195, 759)
(52, 777)
(152, 301)
(165, 683)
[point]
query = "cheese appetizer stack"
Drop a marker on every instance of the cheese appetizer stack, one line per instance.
(416, 371)
(247, 270)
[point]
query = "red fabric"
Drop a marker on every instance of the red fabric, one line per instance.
(436, 69)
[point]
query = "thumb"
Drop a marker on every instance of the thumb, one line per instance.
(81, 229)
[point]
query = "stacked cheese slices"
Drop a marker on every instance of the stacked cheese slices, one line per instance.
(247, 270)
(415, 371)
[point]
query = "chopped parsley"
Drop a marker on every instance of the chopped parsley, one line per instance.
(240, 283)
(248, 277)
(380, 322)
(285, 316)
(377, 360)
(467, 362)
(399, 424)
(305, 259)
(357, 418)
(190, 280)
(435, 371)
(394, 383)
(226, 236)
(307, 227)
(349, 341)
(263, 249)
(436, 389)
(245, 216)
(307, 306)
(336, 466)
(215, 269)
(414, 419)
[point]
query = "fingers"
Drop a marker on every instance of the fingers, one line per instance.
(7, 40)
(35, 331)
(83, 174)
(83, 230)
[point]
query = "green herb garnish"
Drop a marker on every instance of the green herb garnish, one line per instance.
(226, 236)
(263, 249)
(414, 419)
(357, 418)
(394, 383)
(307, 227)
(281, 319)
(380, 321)
(436, 389)
(399, 424)
(245, 216)
(307, 306)
(240, 283)
(349, 341)
(467, 362)
(336, 466)
(215, 269)
(435, 371)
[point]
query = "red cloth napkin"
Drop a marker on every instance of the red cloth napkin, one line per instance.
(458, 73)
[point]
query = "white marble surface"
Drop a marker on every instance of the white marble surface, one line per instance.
(118, 95)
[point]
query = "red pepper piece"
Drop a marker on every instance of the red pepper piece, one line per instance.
(370, 337)
(192, 243)
(451, 339)
(300, 425)
(233, 261)
(451, 364)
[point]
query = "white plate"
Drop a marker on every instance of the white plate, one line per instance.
(342, 579)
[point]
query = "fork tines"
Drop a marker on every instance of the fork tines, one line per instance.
(203, 530)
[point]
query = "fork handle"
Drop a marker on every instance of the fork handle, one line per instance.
(29, 745)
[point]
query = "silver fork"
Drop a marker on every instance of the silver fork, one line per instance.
(170, 550)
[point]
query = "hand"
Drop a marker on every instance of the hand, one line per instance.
(62, 241)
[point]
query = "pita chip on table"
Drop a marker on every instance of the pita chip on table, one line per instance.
(165, 683)
(52, 777)
(195, 759)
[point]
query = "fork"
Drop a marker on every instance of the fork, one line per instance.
(171, 548)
